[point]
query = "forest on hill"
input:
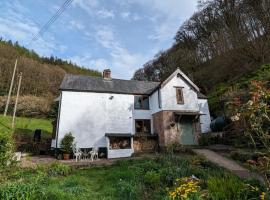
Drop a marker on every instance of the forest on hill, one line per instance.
(42, 77)
(223, 42)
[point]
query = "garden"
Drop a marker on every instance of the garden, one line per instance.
(172, 175)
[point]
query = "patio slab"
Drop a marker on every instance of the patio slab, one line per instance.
(33, 161)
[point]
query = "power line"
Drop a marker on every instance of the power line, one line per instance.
(46, 26)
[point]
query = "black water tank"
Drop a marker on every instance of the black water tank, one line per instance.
(218, 124)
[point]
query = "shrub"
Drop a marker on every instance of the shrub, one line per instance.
(152, 178)
(59, 169)
(6, 149)
(66, 143)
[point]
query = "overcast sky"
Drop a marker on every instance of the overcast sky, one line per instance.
(118, 34)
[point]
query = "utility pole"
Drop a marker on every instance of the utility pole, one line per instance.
(16, 102)
(10, 89)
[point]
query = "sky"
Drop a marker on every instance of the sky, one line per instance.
(118, 34)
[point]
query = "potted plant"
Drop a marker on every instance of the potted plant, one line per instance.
(66, 145)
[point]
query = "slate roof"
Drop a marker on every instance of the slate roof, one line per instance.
(98, 84)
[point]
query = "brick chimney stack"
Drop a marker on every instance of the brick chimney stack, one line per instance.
(107, 74)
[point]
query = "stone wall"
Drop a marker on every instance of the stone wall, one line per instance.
(168, 130)
(158, 127)
(145, 144)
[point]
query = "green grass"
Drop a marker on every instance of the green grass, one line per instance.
(144, 179)
(25, 124)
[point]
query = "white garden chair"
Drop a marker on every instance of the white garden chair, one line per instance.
(77, 153)
(94, 154)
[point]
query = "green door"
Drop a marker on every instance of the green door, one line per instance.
(187, 132)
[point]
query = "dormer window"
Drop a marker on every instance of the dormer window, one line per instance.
(179, 95)
(141, 102)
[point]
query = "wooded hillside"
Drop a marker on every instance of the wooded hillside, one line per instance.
(41, 77)
(223, 41)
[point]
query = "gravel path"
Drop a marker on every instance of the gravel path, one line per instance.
(228, 164)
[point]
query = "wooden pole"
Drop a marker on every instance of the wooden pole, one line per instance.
(10, 89)
(16, 102)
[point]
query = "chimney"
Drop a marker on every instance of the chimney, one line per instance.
(107, 74)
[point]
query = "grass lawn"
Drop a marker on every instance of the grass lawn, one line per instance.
(28, 124)
(144, 179)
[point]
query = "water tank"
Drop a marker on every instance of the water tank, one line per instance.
(218, 124)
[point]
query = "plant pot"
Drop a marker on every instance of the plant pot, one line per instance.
(66, 156)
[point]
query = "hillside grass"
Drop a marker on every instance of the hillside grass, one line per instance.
(29, 125)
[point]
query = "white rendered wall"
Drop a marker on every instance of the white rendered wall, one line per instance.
(168, 96)
(205, 119)
(154, 104)
(88, 116)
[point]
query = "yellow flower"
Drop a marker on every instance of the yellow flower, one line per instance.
(262, 196)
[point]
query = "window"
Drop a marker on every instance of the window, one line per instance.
(143, 126)
(141, 102)
(179, 95)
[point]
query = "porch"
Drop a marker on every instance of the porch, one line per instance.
(181, 127)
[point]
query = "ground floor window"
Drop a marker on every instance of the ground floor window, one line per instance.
(120, 142)
(143, 126)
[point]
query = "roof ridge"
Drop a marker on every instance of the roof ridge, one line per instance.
(98, 77)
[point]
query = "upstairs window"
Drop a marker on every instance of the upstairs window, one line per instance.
(143, 126)
(141, 102)
(179, 95)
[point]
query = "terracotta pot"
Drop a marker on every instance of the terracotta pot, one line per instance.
(66, 156)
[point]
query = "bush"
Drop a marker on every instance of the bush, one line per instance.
(152, 178)
(58, 169)
(6, 149)
(66, 143)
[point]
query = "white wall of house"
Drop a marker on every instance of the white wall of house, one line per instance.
(205, 119)
(169, 100)
(154, 104)
(88, 116)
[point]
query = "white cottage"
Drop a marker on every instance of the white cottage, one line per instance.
(127, 116)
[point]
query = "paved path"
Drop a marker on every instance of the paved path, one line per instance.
(228, 164)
